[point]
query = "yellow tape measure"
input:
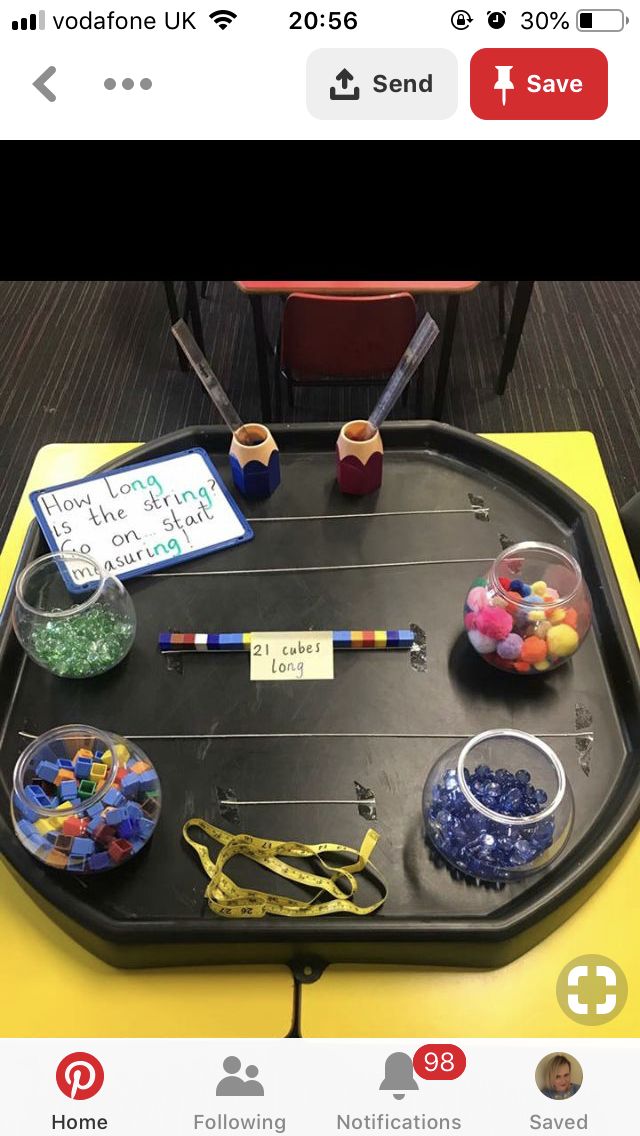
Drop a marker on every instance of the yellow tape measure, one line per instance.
(233, 902)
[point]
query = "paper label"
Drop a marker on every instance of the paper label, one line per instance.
(291, 655)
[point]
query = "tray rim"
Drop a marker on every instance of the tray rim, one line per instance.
(496, 928)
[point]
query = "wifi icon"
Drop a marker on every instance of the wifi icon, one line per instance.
(222, 18)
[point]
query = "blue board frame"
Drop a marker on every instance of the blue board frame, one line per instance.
(248, 533)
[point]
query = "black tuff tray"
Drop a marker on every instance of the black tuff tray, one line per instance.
(376, 724)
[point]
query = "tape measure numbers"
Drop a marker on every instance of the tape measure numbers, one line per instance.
(228, 899)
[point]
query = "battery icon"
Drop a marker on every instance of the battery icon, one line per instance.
(601, 20)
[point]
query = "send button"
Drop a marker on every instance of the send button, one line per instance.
(396, 83)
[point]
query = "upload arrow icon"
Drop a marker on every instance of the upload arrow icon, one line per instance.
(344, 77)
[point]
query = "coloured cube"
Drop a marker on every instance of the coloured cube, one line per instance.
(119, 850)
(113, 797)
(82, 846)
(65, 775)
(83, 767)
(74, 826)
(98, 771)
(87, 789)
(130, 785)
(47, 771)
(67, 790)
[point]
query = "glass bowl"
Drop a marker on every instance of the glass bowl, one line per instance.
(84, 800)
(531, 611)
(498, 806)
(69, 633)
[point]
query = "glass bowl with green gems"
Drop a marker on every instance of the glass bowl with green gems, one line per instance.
(72, 618)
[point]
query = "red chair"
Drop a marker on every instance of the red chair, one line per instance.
(324, 339)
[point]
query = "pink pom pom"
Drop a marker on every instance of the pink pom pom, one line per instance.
(470, 620)
(477, 598)
(494, 622)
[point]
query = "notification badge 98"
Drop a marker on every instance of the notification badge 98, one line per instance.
(439, 1061)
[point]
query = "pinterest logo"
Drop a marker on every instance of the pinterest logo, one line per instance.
(80, 1076)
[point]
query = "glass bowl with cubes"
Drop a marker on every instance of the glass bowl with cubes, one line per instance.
(84, 800)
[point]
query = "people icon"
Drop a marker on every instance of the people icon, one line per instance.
(559, 1076)
(252, 1088)
(234, 1086)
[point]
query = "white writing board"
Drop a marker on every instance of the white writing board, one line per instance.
(142, 517)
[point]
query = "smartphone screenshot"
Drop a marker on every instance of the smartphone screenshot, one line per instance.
(365, 70)
(319, 706)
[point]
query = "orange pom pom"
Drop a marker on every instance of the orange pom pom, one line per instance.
(534, 650)
(571, 617)
(515, 598)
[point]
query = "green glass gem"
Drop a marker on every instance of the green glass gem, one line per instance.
(82, 645)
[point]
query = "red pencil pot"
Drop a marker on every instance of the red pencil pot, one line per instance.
(359, 463)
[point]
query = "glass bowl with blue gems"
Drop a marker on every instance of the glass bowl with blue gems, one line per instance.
(530, 612)
(498, 806)
(84, 800)
(72, 618)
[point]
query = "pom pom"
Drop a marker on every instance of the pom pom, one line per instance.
(534, 650)
(515, 599)
(542, 629)
(550, 596)
(510, 648)
(571, 618)
(543, 665)
(494, 622)
(536, 615)
(477, 598)
(470, 620)
(558, 615)
(522, 667)
(539, 588)
(482, 643)
(562, 640)
(520, 587)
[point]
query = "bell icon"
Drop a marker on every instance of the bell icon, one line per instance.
(398, 1075)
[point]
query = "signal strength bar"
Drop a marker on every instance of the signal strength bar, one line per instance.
(31, 23)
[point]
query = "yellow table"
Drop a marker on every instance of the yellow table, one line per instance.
(50, 986)
(364, 1001)
(517, 1000)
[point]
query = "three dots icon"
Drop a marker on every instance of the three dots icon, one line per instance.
(128, 84)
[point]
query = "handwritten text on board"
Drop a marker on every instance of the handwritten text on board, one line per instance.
(134, 520)
(278, 655)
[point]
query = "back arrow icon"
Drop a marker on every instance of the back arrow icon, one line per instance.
(40, 84)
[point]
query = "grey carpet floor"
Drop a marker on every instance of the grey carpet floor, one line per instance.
(93, 361)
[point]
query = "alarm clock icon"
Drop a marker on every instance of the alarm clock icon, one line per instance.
(496, 20)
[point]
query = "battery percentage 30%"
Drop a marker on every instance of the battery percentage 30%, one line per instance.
(544, 20)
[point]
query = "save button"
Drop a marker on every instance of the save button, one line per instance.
(545, 83)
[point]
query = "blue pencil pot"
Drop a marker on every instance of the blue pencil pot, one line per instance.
(256, 467)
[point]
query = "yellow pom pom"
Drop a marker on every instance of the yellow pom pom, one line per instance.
(557, 616)
(536, 615)
(539, 588)
(543, 665)
(562, 640)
